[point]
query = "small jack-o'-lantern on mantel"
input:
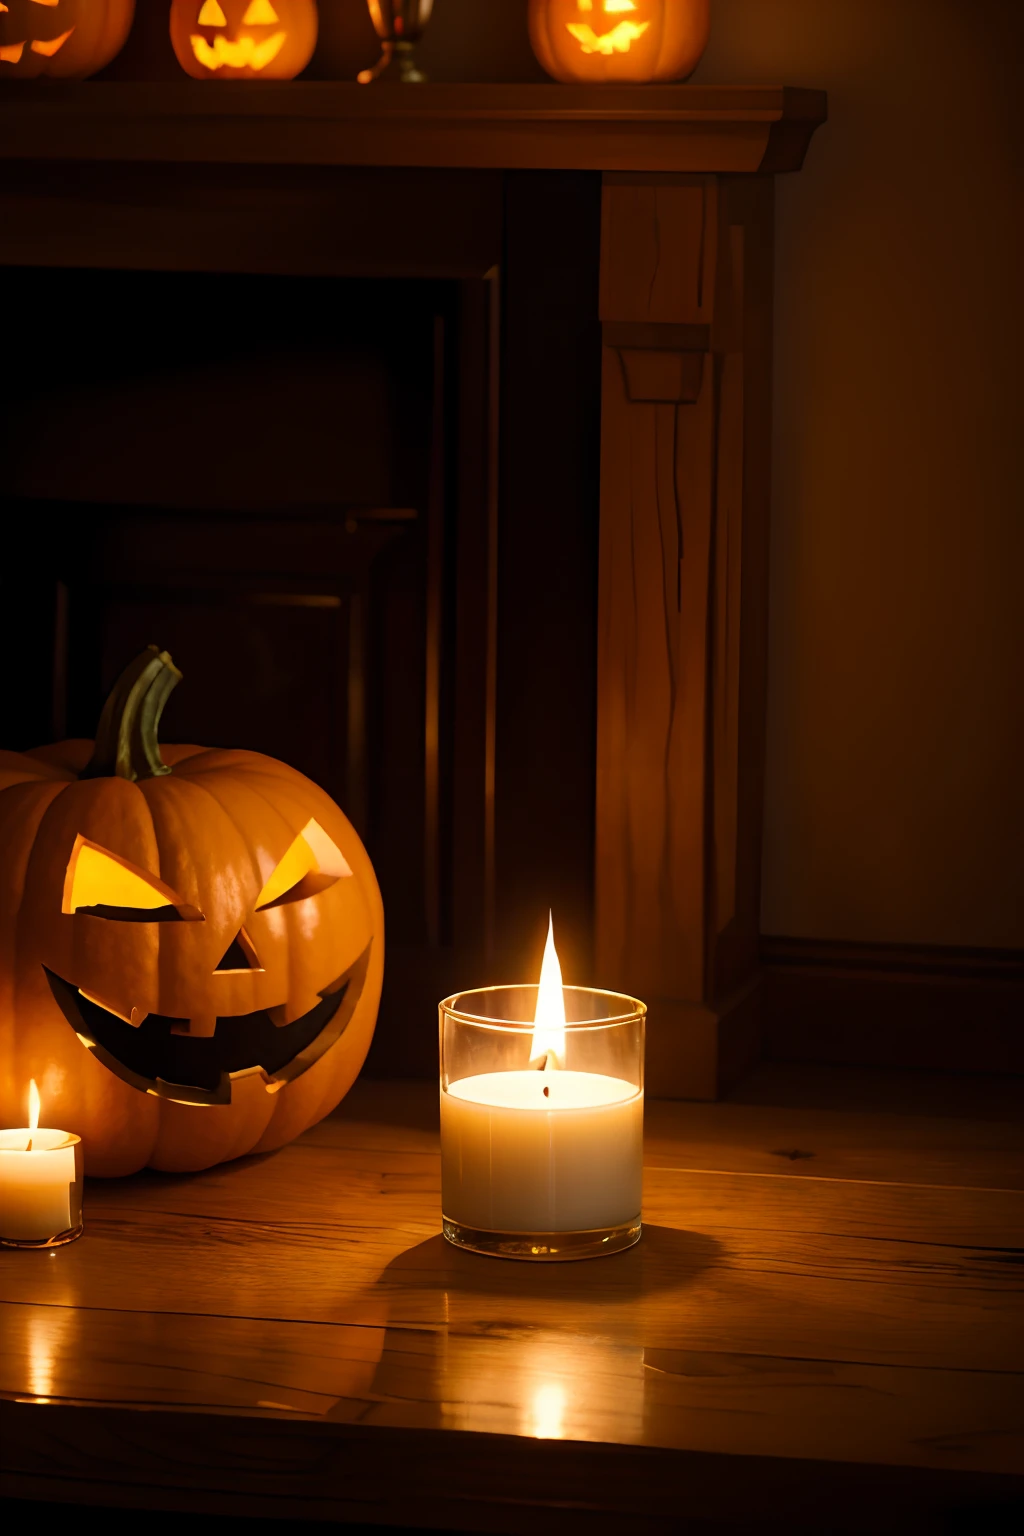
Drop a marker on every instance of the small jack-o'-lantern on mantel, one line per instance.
(191, 941)
(243, 39)
(601, 41)
(68, 39)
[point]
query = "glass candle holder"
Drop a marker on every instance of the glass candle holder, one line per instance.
(541, 1159)
(41, 1177)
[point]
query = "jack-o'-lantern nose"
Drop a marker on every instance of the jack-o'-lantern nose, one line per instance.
(240, 955)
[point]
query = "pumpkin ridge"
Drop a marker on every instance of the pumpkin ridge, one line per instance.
(41, 797)
(169, 826)
(34, 770)
(239, 830)
(239, 760)
(44, 802)
(290, 955)
(284, 783)
(86, 809)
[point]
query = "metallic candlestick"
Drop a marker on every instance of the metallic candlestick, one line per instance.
(399, 25)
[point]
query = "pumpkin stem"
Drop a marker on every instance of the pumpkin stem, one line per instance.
(126, 737)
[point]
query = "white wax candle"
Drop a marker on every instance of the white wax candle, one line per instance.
(40, 1197)
(543, 1151)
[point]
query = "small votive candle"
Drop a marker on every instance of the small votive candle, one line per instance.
(41, 1175)
(542, 1122)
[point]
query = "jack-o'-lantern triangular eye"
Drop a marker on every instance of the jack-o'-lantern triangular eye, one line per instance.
(260, 14)
(211, 15)
(312, 863)
(99, 883)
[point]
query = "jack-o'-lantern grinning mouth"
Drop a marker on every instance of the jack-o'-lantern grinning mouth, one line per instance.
(157, 1058)
(243, 53)
(619, 40)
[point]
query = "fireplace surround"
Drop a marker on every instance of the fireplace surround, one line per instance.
(516, 606)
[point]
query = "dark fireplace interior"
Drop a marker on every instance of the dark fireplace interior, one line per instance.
(293, 485)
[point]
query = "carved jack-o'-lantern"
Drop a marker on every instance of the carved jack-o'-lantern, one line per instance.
(243, 39)
(191, 950)
(65, 38)
(608, 40)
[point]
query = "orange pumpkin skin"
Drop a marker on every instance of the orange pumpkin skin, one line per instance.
(602, 41)
(93, 33)
(213, 829)
(211, 50)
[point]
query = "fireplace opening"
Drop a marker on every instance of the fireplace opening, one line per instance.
(250, 472)
(293, 484)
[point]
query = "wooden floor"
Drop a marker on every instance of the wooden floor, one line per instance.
(820, 1330)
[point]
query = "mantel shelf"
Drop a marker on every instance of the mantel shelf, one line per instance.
(680, 128)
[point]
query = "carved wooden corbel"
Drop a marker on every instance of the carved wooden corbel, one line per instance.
(660, 362)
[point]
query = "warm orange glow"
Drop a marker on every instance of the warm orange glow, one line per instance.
(53, 46)
(246, 53)
(33, 1106)
(311, 863)
(619, 40)
(548, 1045)
(250, 38)
(12, 53)
(97, 878)
(45, 1325)
(545, 1417)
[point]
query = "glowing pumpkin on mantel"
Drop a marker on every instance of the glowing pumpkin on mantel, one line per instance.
(243, 39)
(600, 41)
(68, 39)
(191, 950)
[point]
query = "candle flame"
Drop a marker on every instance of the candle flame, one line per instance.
(33, 1105)
(548, 1045)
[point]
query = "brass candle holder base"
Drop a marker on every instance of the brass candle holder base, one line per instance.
(399, 24)
(543, 1247)
(44, 1242)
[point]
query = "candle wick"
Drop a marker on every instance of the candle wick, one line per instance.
(547, 1091)
(29, 1147)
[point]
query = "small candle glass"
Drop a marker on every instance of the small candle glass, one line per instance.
(541, 1160)
(41, 1175)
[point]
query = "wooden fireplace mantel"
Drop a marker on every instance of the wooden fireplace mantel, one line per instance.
(662, 260)
(664, 128)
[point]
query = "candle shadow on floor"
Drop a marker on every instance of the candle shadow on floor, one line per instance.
(665, 1259)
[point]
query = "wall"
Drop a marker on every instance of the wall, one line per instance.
(894, 806)
(895, 791)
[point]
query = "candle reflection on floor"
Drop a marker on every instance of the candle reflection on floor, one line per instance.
(544, 1420)
(47, 1328)
(549, 1386)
